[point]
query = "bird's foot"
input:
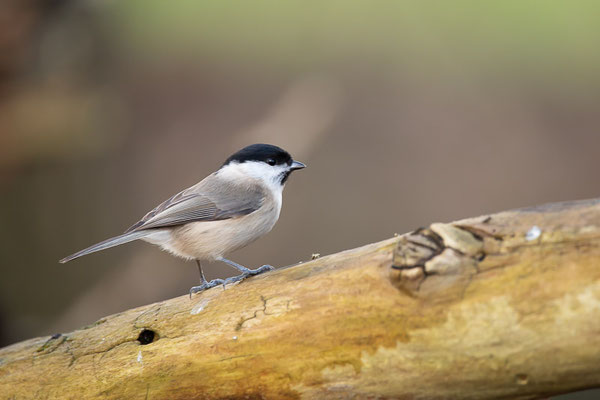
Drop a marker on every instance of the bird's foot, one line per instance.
(206, 285)
(246, 273)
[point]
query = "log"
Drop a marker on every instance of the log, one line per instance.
(494, 307)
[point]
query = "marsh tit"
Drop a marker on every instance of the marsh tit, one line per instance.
(226, 211)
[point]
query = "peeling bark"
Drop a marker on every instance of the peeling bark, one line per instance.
(493, 307)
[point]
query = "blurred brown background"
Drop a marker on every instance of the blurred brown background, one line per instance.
(406, 113)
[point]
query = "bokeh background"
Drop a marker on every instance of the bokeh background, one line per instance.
(406, 113)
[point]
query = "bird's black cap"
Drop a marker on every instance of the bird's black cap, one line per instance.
(261, 152)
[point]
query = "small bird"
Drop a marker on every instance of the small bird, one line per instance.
(226, 211)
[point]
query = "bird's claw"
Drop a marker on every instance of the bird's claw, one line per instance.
(247, 273)
(206, 285)
(260, 270)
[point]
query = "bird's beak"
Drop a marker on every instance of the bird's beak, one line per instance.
(297, 165)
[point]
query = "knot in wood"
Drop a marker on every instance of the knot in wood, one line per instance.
(443, 250)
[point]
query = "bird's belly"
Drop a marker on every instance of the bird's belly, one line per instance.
(209, 240)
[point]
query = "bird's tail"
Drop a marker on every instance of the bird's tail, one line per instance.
(106, 244)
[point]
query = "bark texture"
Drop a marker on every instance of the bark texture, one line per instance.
(493, 307)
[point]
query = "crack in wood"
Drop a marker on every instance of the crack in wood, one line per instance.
(243, 320)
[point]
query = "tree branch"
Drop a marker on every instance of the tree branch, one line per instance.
(494, 307)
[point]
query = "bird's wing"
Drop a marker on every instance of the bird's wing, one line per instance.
(203, 203)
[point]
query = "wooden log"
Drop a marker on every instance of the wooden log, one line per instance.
(494, 307)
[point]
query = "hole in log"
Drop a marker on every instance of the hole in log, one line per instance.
(146, 336)
(522, 379)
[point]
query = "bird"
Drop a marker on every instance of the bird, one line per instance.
(229, 209)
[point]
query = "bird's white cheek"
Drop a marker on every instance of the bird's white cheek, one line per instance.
(269, 175)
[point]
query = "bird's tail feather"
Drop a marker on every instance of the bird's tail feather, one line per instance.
(108, 243)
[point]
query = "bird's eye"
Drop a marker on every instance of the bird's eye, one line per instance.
(271, 162)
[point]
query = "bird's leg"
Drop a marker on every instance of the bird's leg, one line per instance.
(202, 277)
(204, 284)
(245, 272)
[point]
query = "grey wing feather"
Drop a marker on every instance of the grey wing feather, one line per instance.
(202, 203)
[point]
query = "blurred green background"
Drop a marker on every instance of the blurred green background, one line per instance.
(406, 112)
